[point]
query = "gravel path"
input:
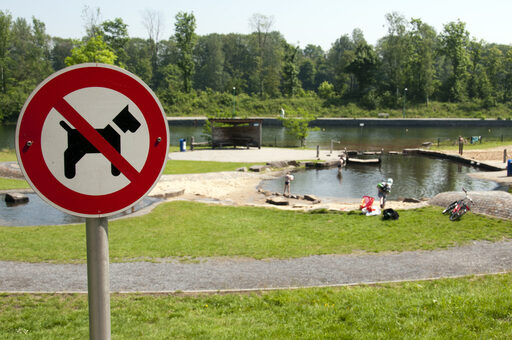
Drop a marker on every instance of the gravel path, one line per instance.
(242, 274)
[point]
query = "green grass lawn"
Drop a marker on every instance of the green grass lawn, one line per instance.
(486, 144)
(9, 183)
(466, 308)
(8, 155)
(189, 230)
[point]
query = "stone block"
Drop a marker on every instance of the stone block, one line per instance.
(16, 198)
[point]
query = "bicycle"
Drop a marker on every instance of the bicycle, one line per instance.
(458, 208)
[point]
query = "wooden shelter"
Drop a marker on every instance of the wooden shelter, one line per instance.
(236, 132)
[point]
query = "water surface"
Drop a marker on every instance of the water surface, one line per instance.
(414, 177)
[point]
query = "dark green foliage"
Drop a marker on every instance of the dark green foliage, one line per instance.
(185, 41)
(195, 75)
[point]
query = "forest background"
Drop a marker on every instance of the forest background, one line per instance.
(413, 71)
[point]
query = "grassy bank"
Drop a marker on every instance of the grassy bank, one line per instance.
(9, 183)
(484, 145)
(176, 167)
(205, 104)
(8, 155)
(188, 229)
(467, 308)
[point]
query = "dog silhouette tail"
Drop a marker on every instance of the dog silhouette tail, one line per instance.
(66, 126)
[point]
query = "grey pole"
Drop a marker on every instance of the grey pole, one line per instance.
(98, 280)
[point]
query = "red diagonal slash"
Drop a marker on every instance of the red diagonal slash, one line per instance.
(97, 140)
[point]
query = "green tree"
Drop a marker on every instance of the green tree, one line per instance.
(394, 50)
(261, 25)
(60, 51)
(25, 59)
(326, 90)
(209, 57)
(185, 35)
(454, 44)
(494, 65)
(421, 76)
(297, 125)
(307, 74)
(364, 67)
(5, 39)
(290, 81)
(239, 63)
(115, 35)
(94, 50)
(139, 58)
(153, 22)
(507, 81)
(339, 57)
(272, 64)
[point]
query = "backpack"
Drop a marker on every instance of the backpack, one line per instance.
(390, 214)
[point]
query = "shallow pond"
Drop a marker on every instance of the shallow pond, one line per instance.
(414, 177)
(38, 212)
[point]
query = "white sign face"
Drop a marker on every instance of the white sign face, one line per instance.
(93, 170)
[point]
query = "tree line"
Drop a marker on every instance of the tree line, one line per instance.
(194, 74)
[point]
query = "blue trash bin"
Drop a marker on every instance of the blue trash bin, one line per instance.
(509, 167)
(183, 145)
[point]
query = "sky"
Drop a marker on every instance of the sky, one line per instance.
(301, 22)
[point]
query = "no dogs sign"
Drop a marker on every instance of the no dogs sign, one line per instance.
(92, 140)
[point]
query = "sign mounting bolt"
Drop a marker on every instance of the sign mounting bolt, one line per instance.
(29, 143)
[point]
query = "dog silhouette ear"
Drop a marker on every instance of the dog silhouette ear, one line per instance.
(126, 121)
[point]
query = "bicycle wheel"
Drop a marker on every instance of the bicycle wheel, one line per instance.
(455, 215)
(449, 208)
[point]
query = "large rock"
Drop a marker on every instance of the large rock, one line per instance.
(277, 200)
(311, 198)
(258, 168)
(16, 198)
(278, 164)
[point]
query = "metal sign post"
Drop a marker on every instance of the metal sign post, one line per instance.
(98, 279)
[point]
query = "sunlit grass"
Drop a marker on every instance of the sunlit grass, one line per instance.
(466, 308)
(9, 183)
(8, 155)
(187, 229)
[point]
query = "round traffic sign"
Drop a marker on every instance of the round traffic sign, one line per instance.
(92, 140)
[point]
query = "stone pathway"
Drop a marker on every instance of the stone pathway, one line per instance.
(248, 274)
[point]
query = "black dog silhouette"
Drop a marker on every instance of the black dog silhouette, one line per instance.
(79, 146)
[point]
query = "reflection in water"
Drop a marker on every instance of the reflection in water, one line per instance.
(38, 212)
(357, 138)
(339, 176)
(414, 176)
